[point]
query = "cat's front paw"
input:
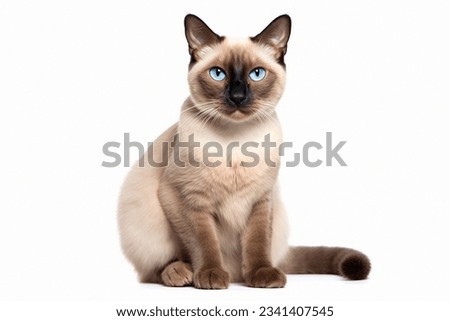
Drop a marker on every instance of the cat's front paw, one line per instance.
(266, 277)
(211, 278)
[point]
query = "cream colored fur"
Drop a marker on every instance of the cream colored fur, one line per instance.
(155, 200)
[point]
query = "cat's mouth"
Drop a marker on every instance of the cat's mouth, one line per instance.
(237, 112)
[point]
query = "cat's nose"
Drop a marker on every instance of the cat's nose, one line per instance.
(238, 98)
(238, 93)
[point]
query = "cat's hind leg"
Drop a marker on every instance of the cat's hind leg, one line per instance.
(177, 274)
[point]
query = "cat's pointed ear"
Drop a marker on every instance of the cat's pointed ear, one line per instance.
(276, 35)
(198, 34)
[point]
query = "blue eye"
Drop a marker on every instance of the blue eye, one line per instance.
(217, 74)
(257, 74)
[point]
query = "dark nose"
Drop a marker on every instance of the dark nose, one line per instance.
(238, 97)
(237, 92)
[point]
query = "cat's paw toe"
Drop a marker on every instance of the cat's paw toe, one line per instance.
(211, 278)
(266, 277)
(177, 274)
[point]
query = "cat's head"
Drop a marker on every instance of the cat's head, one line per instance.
(237, 79)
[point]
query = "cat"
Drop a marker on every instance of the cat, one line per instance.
(207, 226)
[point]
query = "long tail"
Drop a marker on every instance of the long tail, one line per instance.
(348, 263)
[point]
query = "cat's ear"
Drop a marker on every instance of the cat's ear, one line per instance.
(276, 35)
(198, 34)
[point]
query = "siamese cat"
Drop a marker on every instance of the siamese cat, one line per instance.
(213, 222)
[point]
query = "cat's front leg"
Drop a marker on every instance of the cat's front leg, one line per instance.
(257, 269)
(191, 218)
(206, 255)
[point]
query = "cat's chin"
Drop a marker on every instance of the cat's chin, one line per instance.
(238, 115)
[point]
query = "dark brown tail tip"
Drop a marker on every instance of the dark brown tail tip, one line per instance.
(355, 267)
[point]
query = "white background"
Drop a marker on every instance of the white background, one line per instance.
(77, 74)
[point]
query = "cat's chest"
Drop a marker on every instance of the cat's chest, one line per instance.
(232, 171)
(237, 162)
(237, 178)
